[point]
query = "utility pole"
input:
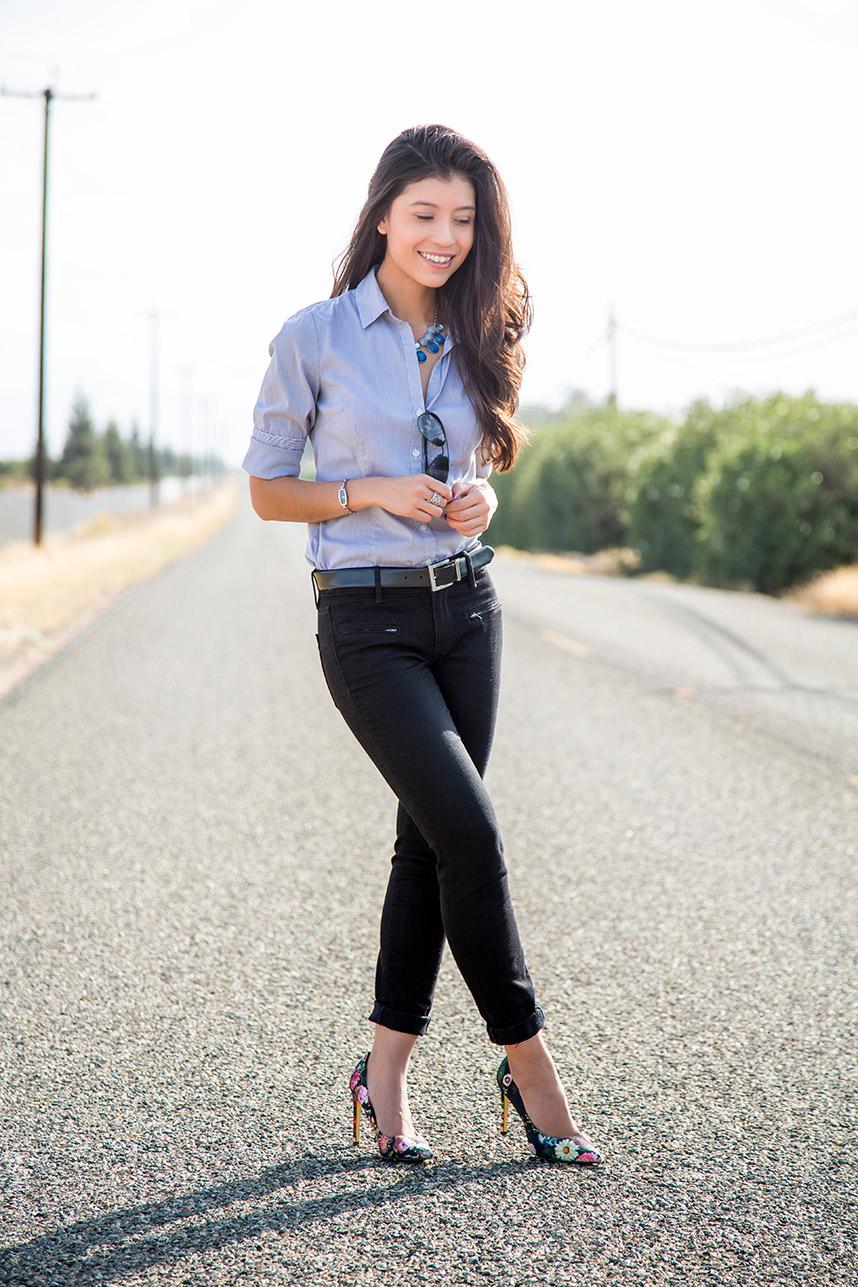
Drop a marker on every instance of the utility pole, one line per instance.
(612, 358)
(49, 96)
(154, 393)
(206, 444)
(188, 482)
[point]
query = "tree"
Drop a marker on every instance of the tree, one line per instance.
(118, 453)
(83, 463)
(139, 454)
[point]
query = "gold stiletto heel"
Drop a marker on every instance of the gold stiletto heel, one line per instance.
(356, 1119)
(553, 1148)
(393, 1148)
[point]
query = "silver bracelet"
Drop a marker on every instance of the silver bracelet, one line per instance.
(343, 497)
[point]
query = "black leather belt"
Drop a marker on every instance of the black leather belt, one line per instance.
(435, 576)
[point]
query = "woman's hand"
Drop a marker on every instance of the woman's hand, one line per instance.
(471, 510)
(409, 496)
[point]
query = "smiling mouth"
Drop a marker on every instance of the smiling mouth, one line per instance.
(439, 262)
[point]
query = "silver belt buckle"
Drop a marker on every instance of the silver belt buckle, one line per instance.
(454, 559)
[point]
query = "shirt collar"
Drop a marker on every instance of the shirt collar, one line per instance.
(371, 303)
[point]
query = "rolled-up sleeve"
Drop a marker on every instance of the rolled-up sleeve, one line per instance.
(285, 410)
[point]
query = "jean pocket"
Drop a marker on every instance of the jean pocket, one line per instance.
(370, 630)
(485, 616)
(390, 620)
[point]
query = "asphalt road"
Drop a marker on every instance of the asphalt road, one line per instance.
(195, 850)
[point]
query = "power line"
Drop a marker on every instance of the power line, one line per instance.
(838, 329)
(740, 345)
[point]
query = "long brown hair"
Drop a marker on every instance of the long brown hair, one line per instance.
(486, 302)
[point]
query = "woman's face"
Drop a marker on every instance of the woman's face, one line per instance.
(434, 216)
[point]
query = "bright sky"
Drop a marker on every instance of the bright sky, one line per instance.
(691, 164)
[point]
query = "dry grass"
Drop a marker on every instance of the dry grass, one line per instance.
(832, 593)
(604, 563)
(49, 592)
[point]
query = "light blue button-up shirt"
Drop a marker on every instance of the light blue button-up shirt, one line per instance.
(344, 373)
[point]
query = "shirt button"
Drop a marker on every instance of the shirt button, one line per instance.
(423, 527)
(415, 451)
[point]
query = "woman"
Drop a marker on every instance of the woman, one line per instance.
(406, 381)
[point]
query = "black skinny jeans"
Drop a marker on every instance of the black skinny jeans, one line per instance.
(416, 678)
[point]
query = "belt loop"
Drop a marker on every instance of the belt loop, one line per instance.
(377, 575)
(473, 575)
(315, 586)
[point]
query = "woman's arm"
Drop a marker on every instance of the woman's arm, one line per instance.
(301, 500)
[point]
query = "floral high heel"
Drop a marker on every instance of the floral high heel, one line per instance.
(554, 1148)
(393, 1148)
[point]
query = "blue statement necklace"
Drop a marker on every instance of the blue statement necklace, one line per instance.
(432, 338)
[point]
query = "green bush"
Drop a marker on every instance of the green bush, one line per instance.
(663, 517)
(761, 494)
(779, 504)
(567, 492)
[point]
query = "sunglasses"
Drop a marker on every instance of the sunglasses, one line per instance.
(432, 430)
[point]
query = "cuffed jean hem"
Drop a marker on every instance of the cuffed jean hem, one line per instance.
(400, 1020)
(518, 1031)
